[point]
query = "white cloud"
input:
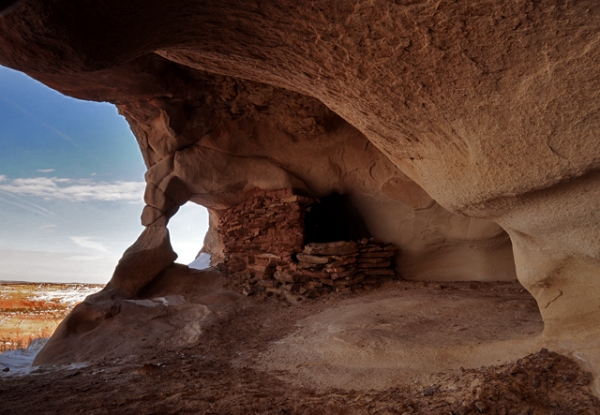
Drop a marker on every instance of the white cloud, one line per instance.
(88, 243)
(45, 170)
(76, 190)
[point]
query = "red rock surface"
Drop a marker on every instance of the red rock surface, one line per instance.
(463, 132)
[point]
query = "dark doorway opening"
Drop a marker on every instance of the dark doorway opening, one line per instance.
(333, 218)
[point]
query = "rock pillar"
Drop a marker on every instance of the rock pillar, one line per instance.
(152, 252)
(557, 254)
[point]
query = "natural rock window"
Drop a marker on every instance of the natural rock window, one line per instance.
(187, 229)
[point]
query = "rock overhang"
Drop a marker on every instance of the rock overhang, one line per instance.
(488, 109)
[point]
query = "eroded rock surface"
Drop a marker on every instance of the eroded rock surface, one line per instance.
(420, 112)
(171, 312)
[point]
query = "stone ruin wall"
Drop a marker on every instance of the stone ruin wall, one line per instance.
(265, 251)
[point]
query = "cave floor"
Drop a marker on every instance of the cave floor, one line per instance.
(406, 348)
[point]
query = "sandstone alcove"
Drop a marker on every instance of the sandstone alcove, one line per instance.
(463, 133)
(333, 218)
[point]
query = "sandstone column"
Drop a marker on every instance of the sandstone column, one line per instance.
(557, 253)
(152, 252)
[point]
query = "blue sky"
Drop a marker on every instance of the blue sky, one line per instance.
(71, 187)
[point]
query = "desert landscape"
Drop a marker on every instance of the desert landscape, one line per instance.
(402, 200)
(30, 311)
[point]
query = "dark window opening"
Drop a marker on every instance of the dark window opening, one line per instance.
(333, 218)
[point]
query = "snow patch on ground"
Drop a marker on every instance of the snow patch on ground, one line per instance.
(69, 295)
(19, 361)
(173, 300)
(202, 262)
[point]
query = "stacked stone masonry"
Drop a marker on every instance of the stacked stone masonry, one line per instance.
(264, 250)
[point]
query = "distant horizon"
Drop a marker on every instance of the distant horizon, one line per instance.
(71, 188)
(12, 282)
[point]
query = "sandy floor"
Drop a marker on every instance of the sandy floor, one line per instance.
(408, 332)
(406, 348)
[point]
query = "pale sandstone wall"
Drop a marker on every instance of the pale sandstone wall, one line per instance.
(330, 156)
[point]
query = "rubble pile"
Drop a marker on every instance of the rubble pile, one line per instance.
(345, 265)
(264, 253)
